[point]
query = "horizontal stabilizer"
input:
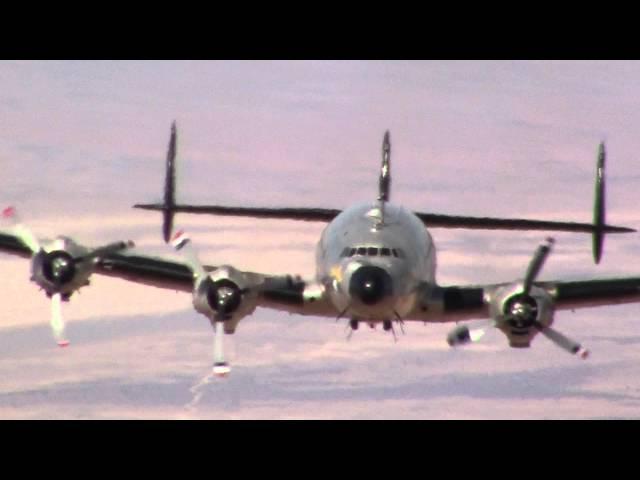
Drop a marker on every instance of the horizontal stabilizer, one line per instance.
(487, 223)
(304, 214)
(429, 219)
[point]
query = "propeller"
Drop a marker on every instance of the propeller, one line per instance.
(182, 244)
(223, 297)
(536, 264)
(57, 322)
(55, 268)
(562, 341)
(521, 310)
(517, 308)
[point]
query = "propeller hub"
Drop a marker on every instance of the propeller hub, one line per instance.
(521, 311)
(58, 267)
(224, 297)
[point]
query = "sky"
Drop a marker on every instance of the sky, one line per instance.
(81, 142)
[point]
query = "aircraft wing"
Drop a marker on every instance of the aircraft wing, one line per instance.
(280, 292)
(459, 303)
(13, 245)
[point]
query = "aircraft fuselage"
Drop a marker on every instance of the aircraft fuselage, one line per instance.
(371, 262)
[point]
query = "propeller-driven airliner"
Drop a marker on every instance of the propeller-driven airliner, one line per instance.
(375, 265)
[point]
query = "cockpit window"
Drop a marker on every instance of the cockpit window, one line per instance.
(373, 252)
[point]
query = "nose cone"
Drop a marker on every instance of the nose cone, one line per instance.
(370, 285)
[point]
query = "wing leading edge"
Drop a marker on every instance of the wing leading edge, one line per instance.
(280, 292)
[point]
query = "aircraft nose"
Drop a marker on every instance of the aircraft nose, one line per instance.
(370, 284)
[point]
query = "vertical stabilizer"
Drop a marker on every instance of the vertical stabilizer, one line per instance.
(168, 210)
(599, 206)
(385, 172)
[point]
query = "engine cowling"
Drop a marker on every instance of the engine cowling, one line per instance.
(519, 315)
(57, 271)
(225, 295)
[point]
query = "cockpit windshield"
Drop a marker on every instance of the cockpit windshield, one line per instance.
(372, 252)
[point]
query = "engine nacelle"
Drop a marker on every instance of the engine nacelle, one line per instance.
(516, 313)
(225, 295)
(57, 269)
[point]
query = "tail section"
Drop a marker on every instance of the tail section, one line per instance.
(384, 185)
(169, 205)
(599, 206)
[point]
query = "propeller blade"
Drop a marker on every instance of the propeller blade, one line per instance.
(182, 243)
(57, 322)
(536, 264)
(220, 367)
(563, 342)
(22, 232)
(105, 250)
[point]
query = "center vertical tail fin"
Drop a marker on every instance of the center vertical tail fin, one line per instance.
(384, 185)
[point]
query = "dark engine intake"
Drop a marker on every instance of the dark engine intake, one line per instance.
(223, 296)
(57, 267)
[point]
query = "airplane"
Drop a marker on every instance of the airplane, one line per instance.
(375, 264)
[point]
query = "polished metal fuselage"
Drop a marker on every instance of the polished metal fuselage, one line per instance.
(380, 226)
